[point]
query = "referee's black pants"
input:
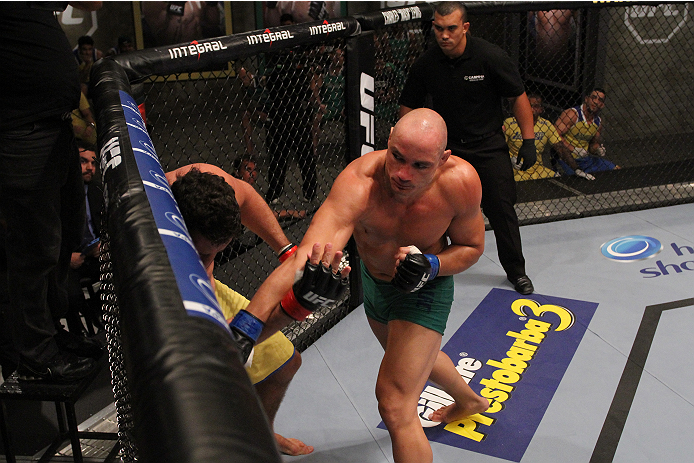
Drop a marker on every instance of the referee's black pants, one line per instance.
(490, 157)
(42, 204)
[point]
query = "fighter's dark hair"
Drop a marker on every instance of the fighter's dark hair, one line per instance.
(446, 8)
(208, 205)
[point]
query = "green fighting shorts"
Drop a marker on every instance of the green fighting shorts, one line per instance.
(428, 307)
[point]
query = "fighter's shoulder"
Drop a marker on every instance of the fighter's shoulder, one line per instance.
(357, 181)
(365, 165)
(458, 177)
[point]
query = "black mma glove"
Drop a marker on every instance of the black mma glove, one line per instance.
(245, 329)
(413, 272)
(527, 153)
(318, 287)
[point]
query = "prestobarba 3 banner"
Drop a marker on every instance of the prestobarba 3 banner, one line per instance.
(514, 351)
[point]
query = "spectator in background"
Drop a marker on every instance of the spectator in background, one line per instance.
(246, 169)
(581, 126)
(41, 191)
(545, 135)
(125, 45)
(83, 123)
(256, 111)
(87, 54)
(464, 79)
(86, 51)
(84, 261)
(331, 86)
(301, 11)
(168, 23)
(293, 89)
(553, 40)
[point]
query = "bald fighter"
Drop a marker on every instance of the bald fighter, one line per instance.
(414, 212)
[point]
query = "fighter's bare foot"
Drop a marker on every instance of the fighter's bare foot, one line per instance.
(291, 446)
(455, 411)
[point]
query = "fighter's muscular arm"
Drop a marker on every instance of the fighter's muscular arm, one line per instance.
(466, 231)
(255, 213)
(333, 223)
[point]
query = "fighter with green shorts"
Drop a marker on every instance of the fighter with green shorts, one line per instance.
(428, 307)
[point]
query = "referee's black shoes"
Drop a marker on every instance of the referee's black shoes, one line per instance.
(523, 285)
(63, 367)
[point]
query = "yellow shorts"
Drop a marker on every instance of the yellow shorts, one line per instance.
(533, 173)
(268, 356)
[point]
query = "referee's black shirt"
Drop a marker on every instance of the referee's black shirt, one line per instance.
(465, 91)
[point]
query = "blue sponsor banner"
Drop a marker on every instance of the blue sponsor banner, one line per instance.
(514, 351)
(193, 283)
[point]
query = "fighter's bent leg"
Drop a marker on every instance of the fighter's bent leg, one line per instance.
(271, 392)
(411, 351)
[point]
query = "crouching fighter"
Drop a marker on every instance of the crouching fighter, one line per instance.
(214, 205)
(412, 196)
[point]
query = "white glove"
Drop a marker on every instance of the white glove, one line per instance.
(580, 152)
(601, 151)
(514, 162)
(580, 173)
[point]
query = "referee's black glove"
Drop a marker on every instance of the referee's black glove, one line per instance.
(527, 153)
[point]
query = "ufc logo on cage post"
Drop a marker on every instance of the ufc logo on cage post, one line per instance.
(366, 115)
(110, 154)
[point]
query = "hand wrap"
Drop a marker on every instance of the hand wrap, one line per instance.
(245, 329)
(580, 173)
(580, 153)
(514, 162)
(287, 252)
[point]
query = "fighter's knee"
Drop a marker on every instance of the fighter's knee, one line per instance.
(391, 406)
(392, 413)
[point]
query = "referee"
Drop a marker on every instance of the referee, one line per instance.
(464, 79)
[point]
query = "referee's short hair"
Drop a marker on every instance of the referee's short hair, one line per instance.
(446, 8)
